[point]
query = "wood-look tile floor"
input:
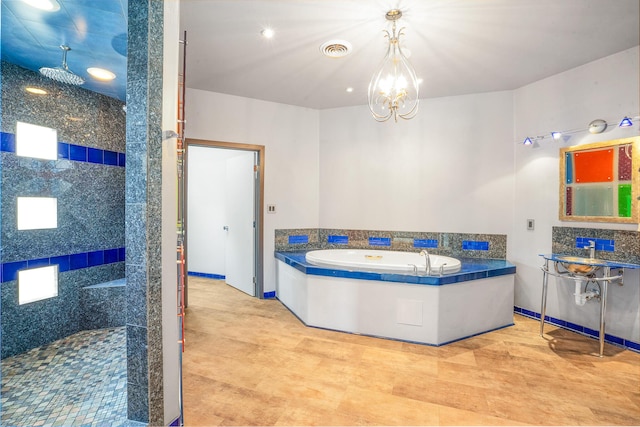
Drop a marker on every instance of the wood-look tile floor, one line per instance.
(251, 362)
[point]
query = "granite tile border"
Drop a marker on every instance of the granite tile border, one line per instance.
(627, 243)
(449, 244)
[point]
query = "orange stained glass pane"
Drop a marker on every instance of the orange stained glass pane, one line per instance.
(593, 166)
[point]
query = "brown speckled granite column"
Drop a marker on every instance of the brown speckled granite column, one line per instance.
(143, 212)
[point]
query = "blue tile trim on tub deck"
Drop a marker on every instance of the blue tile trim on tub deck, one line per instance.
(293, 240)
(78, 153)
(69, 262)
(425, 243)
(583, 330)
(472, 269)
(473, 245)
(338, 240)
(379, 241)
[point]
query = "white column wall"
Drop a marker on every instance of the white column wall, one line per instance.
(170, 348)
(604, 89)
(290, 137)
(448, 169)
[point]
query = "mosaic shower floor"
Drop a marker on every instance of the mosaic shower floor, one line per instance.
(80, 380)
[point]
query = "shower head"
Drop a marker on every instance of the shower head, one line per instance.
(62, 74)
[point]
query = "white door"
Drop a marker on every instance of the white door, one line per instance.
(239, 212)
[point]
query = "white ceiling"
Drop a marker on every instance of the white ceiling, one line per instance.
(457, 46)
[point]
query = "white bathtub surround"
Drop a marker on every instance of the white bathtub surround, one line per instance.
(375, 260)
(385, 307)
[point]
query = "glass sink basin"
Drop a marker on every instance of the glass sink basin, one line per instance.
(580, 265)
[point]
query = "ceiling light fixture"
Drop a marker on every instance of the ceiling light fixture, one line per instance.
(101, 73)
(527, 141)
(48, 5)
(267, 33)
(556, 135)
(626, 122)
(393, 90)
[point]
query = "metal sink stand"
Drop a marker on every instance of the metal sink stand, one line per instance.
(604, 284)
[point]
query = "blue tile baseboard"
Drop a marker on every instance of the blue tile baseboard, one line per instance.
(78, 153)
(9, 270)
(271, 294)
(207, 275)
(583, 330)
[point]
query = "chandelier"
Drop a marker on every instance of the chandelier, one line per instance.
(393, 90)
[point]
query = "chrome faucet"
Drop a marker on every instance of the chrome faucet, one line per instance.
(427, 261)
(592, 248)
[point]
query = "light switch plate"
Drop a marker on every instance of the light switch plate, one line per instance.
(531, 224)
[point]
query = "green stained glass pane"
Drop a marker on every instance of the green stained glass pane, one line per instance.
(624, 200)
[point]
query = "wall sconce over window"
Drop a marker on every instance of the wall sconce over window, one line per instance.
(36, 141)
(37, 213)
(393, 90)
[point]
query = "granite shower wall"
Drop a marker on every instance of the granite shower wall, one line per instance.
(88, 181)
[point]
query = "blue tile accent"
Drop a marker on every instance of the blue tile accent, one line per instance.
(78, 153)
(74, 152)
(379, 241)
(425, 243)
(77, 261)
(591, 332)
(10, 270)
(574, 327)
(63, 150)
(608, 245)
(632, 345)
(613, 339)
(474, 245)
(95, 258)
(338, 240)
(175, 423)
(94, 155)
(110, 158)
(294, 240)
(207, 275)
(63, 262)
(7, 142)
(271, 294)
(121, 254)
(35, 263)
(110, 256)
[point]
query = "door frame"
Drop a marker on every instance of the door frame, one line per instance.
(258, 202)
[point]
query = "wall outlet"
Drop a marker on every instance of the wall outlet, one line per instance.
(531, 224)
(271, 209)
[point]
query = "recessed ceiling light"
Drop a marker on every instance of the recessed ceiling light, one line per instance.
(48, 5)
(36, 90)
(349, 89)
(267, 33)
(101, 73)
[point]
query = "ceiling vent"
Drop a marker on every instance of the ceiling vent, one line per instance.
(336, 48)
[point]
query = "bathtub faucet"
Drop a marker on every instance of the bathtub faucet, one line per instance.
(427, 261)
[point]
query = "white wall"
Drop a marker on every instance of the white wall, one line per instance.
(207, 184)
(170, 348)
(604, 89)
(290, 137)
(448, 169)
